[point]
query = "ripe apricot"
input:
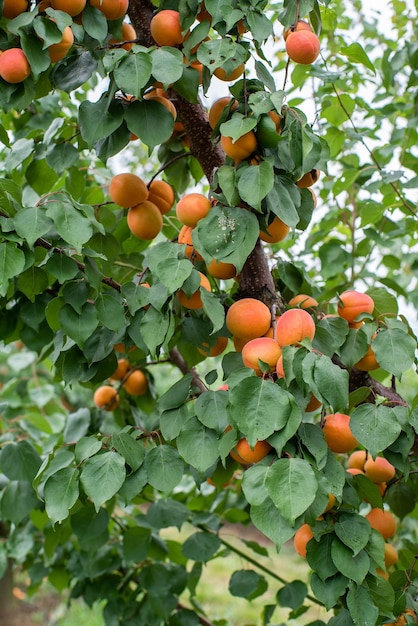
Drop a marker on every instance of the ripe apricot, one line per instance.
(402, 619)
(218, 107)
(128, 34)
(195, 300)
(302, 536)
(391, 554)
(354, 471)
(294, 326)
(357, 459)
(127, 190)
(300, 25)
(72, 7)
(308, 179)
(219, 269)
(240, 149)
(58, 51)
(352, 303)
(106, 397)
(162, 195)
(14, 66)
(166, 28)
(338, 434)
(112, 9)
(382, 521)
(136, 384)
(13, 8)
(379, 470)
(263, 348)
(313, 404)
(303, 301)
(164, 101)
(203, 14)
(303, 47)
(236, 73)
(192, 208)
(214, 350)
(368, 362)
(276, 231)
(250, 455)
(145, 220)
(248, 318)
(185, 237)
(279, 368)
(121, 370)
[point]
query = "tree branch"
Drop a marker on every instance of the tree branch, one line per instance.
(177, 360)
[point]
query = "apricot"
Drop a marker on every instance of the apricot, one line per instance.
(303, 47)
(58, 51)
(368, 362)
(185, 237)
(164, 101)
(121, 370)
(72, 7)
(403, 619)
(303, 301)
(145, 220)
(136, 384)
(357, 459)
(313, 404)
(218, 347)
(354, 471)
(106, 397)
(218, 107)
(13, 8)
(279, 368)
(14, 66)
(221, 270)
(236, 73)
(382, 521)
(195, 300)
(308, 179)
(352, 303)
(192, 208)
(277, 230)
(112, 9)
(294, 326)
(263, 348)
(162, 195)
(300, 25)
(338, 434)
(250, 455)
(128, 190)
(302, 537)
(203, 14)
(248, 318)
(166, 28)
(379, 470)
(391, 554)
(128, 34)
(240, 149)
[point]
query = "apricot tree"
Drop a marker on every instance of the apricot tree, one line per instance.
(207, 271)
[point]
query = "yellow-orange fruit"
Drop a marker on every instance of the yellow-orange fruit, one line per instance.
(308, 179)
(382, 521)
(214, 350)
(354, 471)
(379, 470)
(294, 326)
(391, 554)
(121, 370)
(338, 434)
(313, 404)
(357, 459)
(300, 25)
(236, 73)
(106, 397)
(136, 384)
(303, 47)
(162, 195)
(219, 269)
(112, 9)
(166, 28)
(58, 51)
(13, 8)
(368, 362)
(279, 368)
(249, 455)
(192, 208)
(352, 303)
(403, 619)
(203, 14)
(302, 536)
(248, 318)
(72, 7)
(128, 34)
(218, 108)
(145, 220)
(331, 502)
(185, 237)
(263, 348)
(276, 231)
(240, 149)
(195, 300)
(164, 101)
(127, 190)
(14, 66)
(303, 301)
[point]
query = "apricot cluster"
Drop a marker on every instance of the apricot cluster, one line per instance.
(134, 381)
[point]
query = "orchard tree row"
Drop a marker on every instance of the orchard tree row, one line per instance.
(208, 299)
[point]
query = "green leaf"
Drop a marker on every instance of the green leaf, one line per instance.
(133, 73)
(329, 383)
(70, 223)
(86, 447)
(210, 408)
(133, 451)
(330, 334)
(318, 555)
(73, 71)
(32, 223)
(375, 427)
(176, 395)
(385, 304)
(292, 486)
(111, 117)
(247, 584)
(12, 262)
(330, 590)
(353, 567)
(102, 476)
(237, 126)
(167, 514)
(136, 544)
(213, 309)
(150, 121)
(201, 546)
(255, 182)
(361, 605)
(78, 326)
(164, 467)
(17, 501)
(198, 445)
(226, 176)
(156, 328)
(19, 461)
(167, 65)
(292, 595)
(354, 347)
(283, 200)
(173, 272)
(32, 282)
(110, 311)
(61, 493)
(353, 530)
(355, 53)
(394, 350)
(95, 23)
(269, 521)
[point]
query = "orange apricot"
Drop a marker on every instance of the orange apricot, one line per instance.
(121, 370)
(236, 73)
(166, 29)
(58, 51)
(338, 434)
(162, 195)
(240, 149)
(379, 470)
(14, 66)
(308, 179)
(192, 208)
(218, 107)
(128, 190)
(303, 301)
(218, 347)
(112, 9)
(248, 318)
(221, 270)
(352, 303)
(136, 384)
(354, 471)
(261, 348)
(391, 554)
(382, 521)
(368, 362)
(302, 537)
(13, 8)
(313, 404)
(128, 34)
(106, 397)
(195, 300)
(72, 7)
(145, 220)
(279, 368)
(357, 459)
(303, 47)
(250, 455)
(164, 101)
(300, 25)
(185, 237)
(276, 231)
(294, 326)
